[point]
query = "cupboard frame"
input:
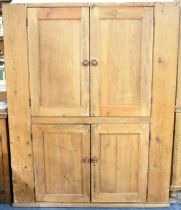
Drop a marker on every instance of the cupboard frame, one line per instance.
(166, 24)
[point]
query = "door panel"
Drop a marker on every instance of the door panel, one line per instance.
(60, 174)
(121, 40)
(58, 42)
(120, 174)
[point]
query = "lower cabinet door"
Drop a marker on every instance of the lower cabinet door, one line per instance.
(119, 162)
(62, 172)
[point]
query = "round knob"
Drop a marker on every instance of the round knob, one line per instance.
(94, 159)
(86, 160)
(94, 62)
(85, 62)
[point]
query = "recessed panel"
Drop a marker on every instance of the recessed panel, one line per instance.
(60, 172)
(62, 159)
(122, 176)
(121, 40)
(121, 62)
(120, 172)
(58, 41)
(60, 63)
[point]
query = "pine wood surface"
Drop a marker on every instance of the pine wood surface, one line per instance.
(71, 87)
(176, 170)
(60, 118)
(90, 120)
(58, 152)
(164, 93)
(18, 102)
(124, 150)
(94, 205)
(176, 162)
(129, 4)
(123, 92)
(5, 195)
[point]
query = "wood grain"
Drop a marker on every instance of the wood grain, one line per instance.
(1, 46)
(129, 4)
(5, 162)
(176, 167)
(1, 172)
(89, 120)
(18, 101)
(176, 161)
(120, 174)
(164, 89)
(121, 82)
(178, 99)
(3, 96)
(59, 13)
(59, 89)
(59, 83)
(98, 205)
(60, 173)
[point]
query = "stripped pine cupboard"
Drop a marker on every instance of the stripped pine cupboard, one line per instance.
(90, 121)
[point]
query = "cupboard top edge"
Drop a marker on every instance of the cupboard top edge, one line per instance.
(131, 4)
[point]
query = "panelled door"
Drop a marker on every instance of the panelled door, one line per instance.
(121, 40)
(58, 41)
(61, 163)
(120, 161)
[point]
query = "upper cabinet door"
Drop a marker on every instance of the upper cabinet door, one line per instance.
(58, 43)
(121, 40)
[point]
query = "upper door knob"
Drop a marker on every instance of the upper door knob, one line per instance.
(85, 62)
(94, 62)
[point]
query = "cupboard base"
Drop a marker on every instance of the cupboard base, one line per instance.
(97, 205)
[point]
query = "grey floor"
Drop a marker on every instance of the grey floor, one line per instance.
(173, 206)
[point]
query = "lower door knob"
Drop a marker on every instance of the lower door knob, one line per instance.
(86, 160)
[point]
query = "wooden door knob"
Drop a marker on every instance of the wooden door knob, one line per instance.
(94, 62)
(86, 160)
(85, 62)
(94, 159)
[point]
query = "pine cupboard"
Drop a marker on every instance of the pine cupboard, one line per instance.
(91, 96)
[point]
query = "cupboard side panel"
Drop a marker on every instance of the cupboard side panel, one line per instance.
(18, 102)
(178, 100)
(164, 89)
